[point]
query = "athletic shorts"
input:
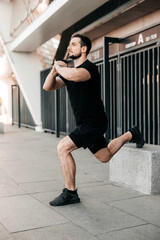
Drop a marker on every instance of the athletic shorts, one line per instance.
(89, 137)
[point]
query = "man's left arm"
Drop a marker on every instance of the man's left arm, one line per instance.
(72, 74)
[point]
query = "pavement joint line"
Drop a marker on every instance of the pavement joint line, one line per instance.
(16, 195)
(32, 229)
(51, 208)
(4, 228)
(128, 213)
(11, 179)
(9, 160)
(60, 189)
(37, 181)
(121, 229)
(96, 236)
(55, 209)
(154, 225)
(127, 198)
(125, 187)
(99, 184)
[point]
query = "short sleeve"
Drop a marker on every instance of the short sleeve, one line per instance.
(62, 78)
(90, 67)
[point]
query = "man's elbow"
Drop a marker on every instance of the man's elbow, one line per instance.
(46, 88)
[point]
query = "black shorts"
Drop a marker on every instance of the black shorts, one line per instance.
(89, 137)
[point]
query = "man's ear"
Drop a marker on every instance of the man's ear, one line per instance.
(84, 49)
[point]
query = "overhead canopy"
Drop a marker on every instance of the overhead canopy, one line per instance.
(60, 15)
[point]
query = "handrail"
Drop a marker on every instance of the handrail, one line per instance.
(29, 14)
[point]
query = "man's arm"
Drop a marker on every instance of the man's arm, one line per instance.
(52, 81)
(72, 74)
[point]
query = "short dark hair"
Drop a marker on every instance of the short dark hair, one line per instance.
(85, 41)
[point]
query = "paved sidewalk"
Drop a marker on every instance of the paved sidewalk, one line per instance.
(30, 177)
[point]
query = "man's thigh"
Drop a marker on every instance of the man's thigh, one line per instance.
(86, 136)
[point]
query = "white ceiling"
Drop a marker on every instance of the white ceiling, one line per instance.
(60, 15)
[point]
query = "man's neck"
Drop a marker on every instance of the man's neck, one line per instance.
(79, 61)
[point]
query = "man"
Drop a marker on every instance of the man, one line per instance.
(83, 85)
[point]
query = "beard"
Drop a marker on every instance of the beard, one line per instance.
(73, 57)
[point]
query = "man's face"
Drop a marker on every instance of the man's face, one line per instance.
(74, 48)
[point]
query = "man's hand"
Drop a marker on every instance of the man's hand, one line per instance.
(54, 69)
(59, 63)
(72, 74)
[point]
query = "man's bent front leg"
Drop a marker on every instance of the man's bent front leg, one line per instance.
(68, 166)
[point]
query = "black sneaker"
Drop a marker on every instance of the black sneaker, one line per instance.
(137, 137)
(65, 198)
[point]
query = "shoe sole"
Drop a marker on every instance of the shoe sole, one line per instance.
(72, 202)
(140, 144)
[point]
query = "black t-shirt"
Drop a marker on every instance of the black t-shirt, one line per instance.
(85, 97)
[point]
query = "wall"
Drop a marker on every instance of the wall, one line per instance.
(131, 28)
(5, 19)
(26, 66)
(5, 95)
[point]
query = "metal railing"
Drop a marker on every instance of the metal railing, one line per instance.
(30, 14)
(20, 112)
(64, 120)
(134, 96)
(141, 92)
(135, 93)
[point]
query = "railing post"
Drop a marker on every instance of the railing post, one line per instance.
(107, 84)
(107, 40)
(57, 113)
(19, 109)
(12, 105)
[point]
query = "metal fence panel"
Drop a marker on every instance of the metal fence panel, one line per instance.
(20, 111)
(47, 105)
(141, 93)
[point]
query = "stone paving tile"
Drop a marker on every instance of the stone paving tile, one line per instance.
(145, 208)
(21, 173)
(8, 187)
(29, 164)
(145, 232)
(45, 186)
(97, 217)
(107, 211)
(21, 213)
(98, 172)
(84, 177)
(156, 196)
(68, 231)
(109, 192)
(4, 234)
(46, 197)
(89, 168)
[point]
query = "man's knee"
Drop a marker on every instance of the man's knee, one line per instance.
(103, 155)
(61, 148)
(64, 147)
(104, 159)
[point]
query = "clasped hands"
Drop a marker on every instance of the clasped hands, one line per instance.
(57, 64)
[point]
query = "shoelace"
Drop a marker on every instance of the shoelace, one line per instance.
(65, 194)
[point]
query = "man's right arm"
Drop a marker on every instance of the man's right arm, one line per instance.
(52, 81)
